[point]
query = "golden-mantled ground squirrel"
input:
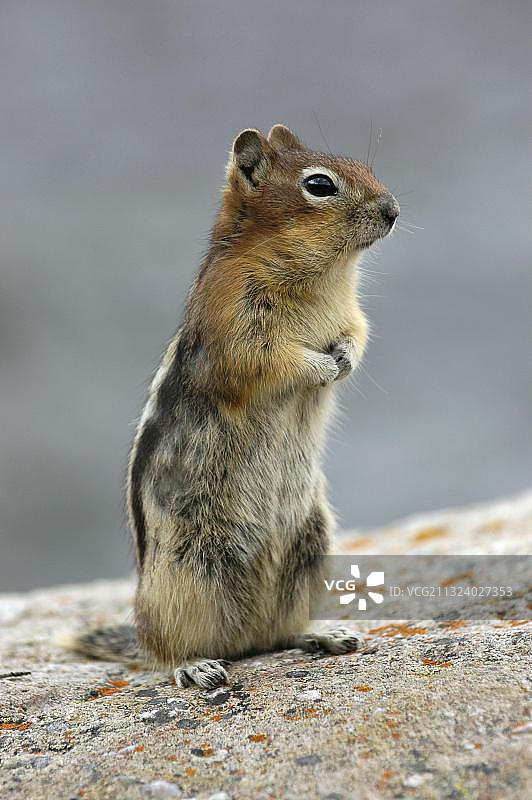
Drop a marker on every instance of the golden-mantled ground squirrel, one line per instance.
(225, 492)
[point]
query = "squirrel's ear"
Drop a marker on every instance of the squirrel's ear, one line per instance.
(251, 158)
(282, 137)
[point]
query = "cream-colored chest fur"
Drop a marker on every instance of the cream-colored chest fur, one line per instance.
(330, 310)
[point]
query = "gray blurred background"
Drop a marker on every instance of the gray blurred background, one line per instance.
(117, 117)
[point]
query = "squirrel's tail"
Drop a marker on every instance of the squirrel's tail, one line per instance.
(114, 643)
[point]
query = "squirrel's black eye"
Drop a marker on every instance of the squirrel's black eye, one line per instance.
(320, 185)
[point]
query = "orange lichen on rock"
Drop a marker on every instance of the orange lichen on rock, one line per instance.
(15, 726)
(398, 630)
(105, 691)
(381, 783)
(429, 662)
(363, 687)
(257, 737)
(512, 623)
(433, 532)
(452, 624)
(190, 771)
(358, 544)
(463, 576)
(491, 527)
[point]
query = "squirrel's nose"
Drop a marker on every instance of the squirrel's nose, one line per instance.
(389, 208)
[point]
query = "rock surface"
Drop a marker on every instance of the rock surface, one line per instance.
(428, 710)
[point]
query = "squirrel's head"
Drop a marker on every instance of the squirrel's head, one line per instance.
(301, 207)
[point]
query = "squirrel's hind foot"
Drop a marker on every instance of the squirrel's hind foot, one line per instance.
(336, 641)
(207, 673)
(346, 355)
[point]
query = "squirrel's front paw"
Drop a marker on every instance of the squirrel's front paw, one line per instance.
(345, 357)
(328, 370)
(319, 369)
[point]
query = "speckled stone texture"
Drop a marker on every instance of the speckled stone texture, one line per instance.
(428, 710)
